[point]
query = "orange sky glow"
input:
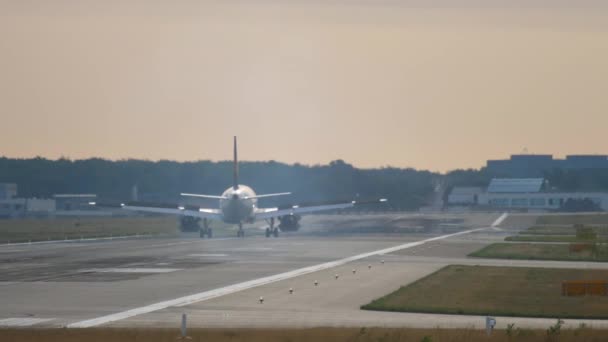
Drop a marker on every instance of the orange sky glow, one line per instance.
(374, 83)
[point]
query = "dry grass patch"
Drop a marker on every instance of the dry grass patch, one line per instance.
(295, 335)
(500, 291)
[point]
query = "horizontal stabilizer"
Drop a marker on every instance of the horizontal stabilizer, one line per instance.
(270, 195)
(202, 196)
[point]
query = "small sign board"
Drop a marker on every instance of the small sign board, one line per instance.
(490, 323)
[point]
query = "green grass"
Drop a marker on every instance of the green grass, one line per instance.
(23, 230)
(561, 230)
(552, 238)
(500, 291)
(536, 251)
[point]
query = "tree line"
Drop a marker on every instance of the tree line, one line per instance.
(162, 181)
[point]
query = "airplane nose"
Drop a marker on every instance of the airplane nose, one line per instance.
(235, 197)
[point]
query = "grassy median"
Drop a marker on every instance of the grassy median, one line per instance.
(299, 335)
(540, 251)
(561, 230)
(23, 230)
(500, 291)
(552, 238)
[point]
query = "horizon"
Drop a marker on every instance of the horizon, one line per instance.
(294, 163)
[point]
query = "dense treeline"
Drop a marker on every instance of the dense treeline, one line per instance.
(164, 180)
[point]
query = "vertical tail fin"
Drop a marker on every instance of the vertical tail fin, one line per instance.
(235, 170)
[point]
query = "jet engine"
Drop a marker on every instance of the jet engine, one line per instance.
(289, 223)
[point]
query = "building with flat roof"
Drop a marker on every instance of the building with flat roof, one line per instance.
(534, 165)
(22, 207)
(540, 200)
(521, 193)
(8, 190)
(69, 202)
(464, 195)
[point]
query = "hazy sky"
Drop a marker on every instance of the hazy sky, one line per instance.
(427, 84)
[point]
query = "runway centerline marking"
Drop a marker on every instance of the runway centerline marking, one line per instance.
(206, 295)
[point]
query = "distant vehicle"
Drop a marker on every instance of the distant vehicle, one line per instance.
(238, 205)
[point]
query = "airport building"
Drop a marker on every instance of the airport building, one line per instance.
(521, 194)
(534, 165)
(465, 195)
(72, 202)
(22, 207)
(8, 191)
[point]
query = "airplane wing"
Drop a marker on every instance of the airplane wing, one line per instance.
(170, 209)
(266, 213)
(270, 195)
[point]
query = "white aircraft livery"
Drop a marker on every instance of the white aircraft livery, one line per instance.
(238, 205)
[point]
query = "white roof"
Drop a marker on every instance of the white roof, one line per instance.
(515, 185)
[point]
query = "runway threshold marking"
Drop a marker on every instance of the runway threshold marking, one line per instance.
(206, 295)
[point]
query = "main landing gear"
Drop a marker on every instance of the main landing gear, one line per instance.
(272, 230)
(206, 230)
(240, 232)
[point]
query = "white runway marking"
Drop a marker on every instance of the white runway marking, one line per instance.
(130, 270)
(499, 220)
(22, 322)
(198, 297)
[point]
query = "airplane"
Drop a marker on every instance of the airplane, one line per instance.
(238, 205)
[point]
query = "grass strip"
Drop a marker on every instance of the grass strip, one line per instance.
(499, 291)
(537, 251)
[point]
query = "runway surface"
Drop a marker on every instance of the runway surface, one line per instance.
(218, 283)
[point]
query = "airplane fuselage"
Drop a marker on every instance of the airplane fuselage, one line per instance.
(238, 205)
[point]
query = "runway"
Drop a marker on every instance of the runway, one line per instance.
(122, 283)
